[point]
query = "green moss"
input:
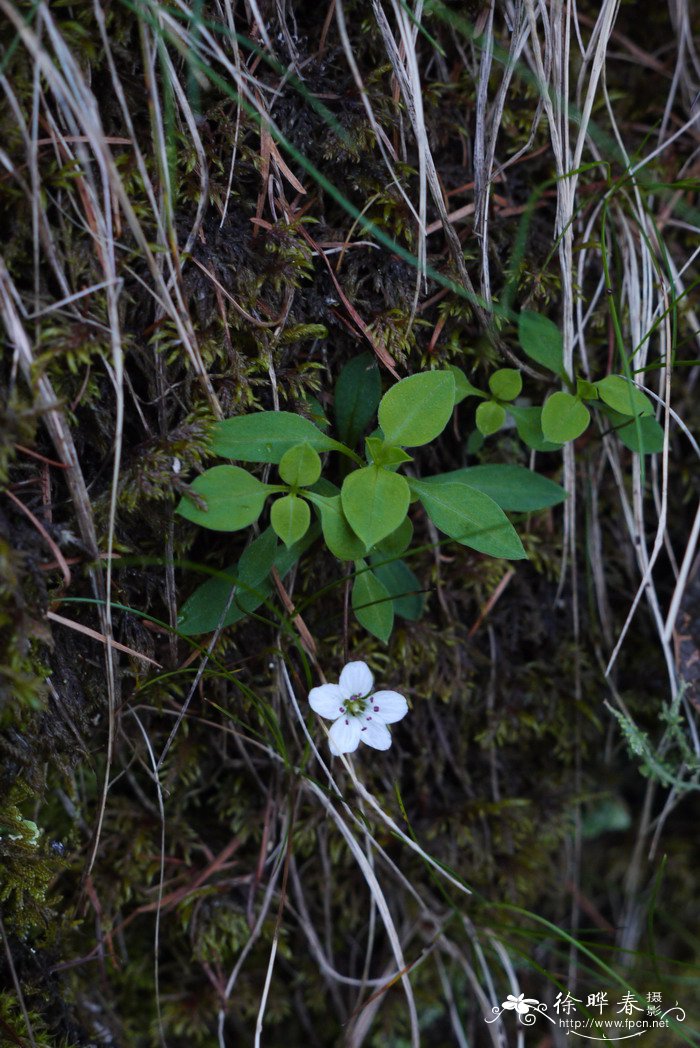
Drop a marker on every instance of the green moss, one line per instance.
(27, 868)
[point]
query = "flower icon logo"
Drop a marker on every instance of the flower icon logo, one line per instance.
(520, 1004)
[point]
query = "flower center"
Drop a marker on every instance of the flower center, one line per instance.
(355, 705)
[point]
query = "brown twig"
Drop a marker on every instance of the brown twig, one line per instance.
(101, 637)
(302, 629)
(491, 602)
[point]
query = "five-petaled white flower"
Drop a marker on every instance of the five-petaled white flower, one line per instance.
(359, 714)
(520, 1004)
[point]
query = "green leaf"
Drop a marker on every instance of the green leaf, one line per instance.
(417, 409)
(475, 442)
(258, 558)
(314, 411)
(463, 387)
(586, 390)
(322, 487)
(643, 435)
(402, 586)
(290, 516)
(266, 435)
(286, 558)
(337, 533)
(202, 611)
(300, 466)
(490, 416)
(234, 499)
(513, 488)
(375, 502)
(470, 517)
(383, 454)
(623, 396)
(373, 607)
(506, 383)
(541, 340)
(564, 418)
(356, 398)
(528, 422)
(395, 544)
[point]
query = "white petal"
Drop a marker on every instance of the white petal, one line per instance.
(327, 700)
(375, 734)
(344, 735)
(388, 707)
(356, 679)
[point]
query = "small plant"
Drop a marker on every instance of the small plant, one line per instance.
(565, 414)
(671, 762)
(364, 521)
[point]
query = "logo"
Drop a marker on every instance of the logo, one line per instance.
(631, 1016)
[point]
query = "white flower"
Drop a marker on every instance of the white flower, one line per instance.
(359, 714)
(520, 1004)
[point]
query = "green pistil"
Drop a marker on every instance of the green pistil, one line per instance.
(355, 706)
